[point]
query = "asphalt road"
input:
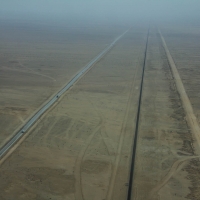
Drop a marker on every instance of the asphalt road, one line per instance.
(25, 128)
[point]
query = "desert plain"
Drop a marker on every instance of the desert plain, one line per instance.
(37, 60)
(81, 148)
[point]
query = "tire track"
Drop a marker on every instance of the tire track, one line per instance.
(34, 72)
(47, 137)
(132, 167)
(115, 164)
(74, 133)
(44, 138)
(77, 170)
(28, 71)
(103, 129)
(67, 136)
(190, 116)
(15, 114)
(54, 99)
(121, 139)
(174, 168)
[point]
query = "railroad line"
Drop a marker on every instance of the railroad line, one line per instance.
(132, 166)
(55, 98)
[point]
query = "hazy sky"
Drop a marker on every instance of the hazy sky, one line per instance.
(103, 9)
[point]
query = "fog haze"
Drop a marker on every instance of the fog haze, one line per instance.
(104, 11)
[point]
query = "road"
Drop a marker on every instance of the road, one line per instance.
(27, 126)
(84, 140)
(82, 148)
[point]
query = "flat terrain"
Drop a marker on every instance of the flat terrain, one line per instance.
(167, 163)
(165, 143)
(184, 45)
(81, 149)
(37, 59)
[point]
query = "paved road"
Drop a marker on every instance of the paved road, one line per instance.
(25, 128)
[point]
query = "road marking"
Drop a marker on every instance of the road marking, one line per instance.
(190, 116)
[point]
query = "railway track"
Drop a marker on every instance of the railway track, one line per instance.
(55, 98)
(132, 165)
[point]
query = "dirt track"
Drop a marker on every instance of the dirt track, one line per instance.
(190, 116)
(81, 145)
(82, 148)
(35, 61)
(165, 145)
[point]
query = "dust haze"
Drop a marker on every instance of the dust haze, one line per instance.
(132, 71)
(112, 11)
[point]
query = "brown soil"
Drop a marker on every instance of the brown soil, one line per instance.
(81, 149)
(36, 61)
(165, 144)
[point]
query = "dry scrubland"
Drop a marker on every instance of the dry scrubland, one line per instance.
(165, 142)
(184, 45)
(167, 163)
(81, 149)
(37, 59)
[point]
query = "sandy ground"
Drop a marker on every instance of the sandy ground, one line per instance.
(183, 43)
(184, 46)
(81, 149)
(166, 158)
(37, 59)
